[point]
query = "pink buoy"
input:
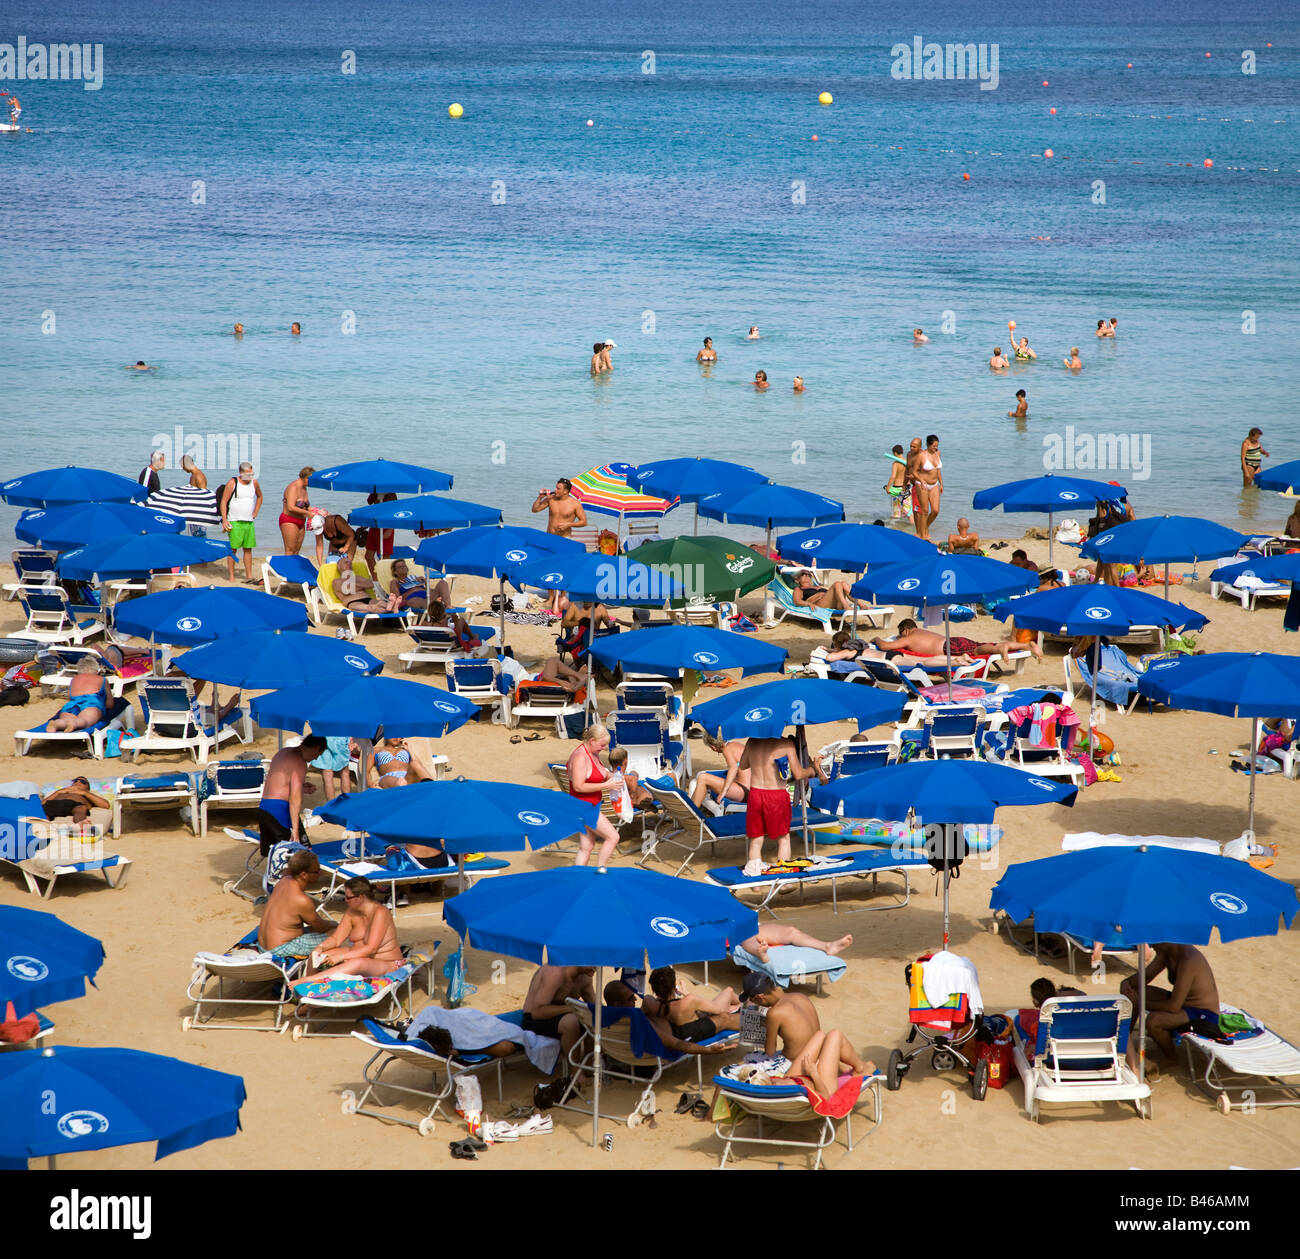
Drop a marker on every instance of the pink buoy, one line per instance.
(1208, 163)
(1048, 153)
(1052, 110)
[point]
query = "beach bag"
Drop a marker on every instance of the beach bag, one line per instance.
(14, 695)
(607, 543)
(574, 724)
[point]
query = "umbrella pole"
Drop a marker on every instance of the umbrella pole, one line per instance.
(460, 872)
(801, 741)
(1254, 753)
(1142, 1013)
(501, 603)
(696, 530)
(591, 660)
(1050, 539)
(947, 646)
(947, 878)
(1092, 703)
(767, 591)
(1167, 578)
(595, 1103)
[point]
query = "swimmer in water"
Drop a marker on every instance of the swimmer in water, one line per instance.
(1021, 349)
(999, 360)
(1074, 362)
(1022, 407)
(1252, 456)
(919, 337)
(140, 366)
(760, 379)
(798, 384)
(1113, 322)
(752, 334)
(708, 354)
(1103, 328)
(239, 330)
(295, 329)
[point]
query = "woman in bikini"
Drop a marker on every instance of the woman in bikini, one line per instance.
(293, 512)
(365, 941)
(691, 1016)
(936, 490)
(359, 594)
(925, 481)
(589, 782)
(1252, 456)
(392, 764)
(409, 591)
(712, 784)
(808, 593)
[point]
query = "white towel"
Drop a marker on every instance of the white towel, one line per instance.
(946, 974)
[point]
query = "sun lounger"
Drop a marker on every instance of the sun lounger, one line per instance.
(341, 1002)
(830, 619)
(52, 617)
(341, 859)
(58, 851)
(482, 682)
(254, 867)
(174, 721)
(631, 1051)
(1079, 1055)
(44, 1029)
(325, 603)
(1250, 1062)
(92, 737)
(230, 785)
(1245, 587)
(547, 700)
(858, 865)
(160, 791)
(1049, 762)
(787, 1104)
(651, 753)
(389, 1051)
(438, 644)
(279, 571)
(788, 963)
(32, 568)
(224, 979)
(59, 666)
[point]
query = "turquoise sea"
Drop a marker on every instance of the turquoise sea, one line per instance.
(229, 169)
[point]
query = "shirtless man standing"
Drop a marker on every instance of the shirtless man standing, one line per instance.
(792, 1023)
(1195, 995)
(277, 816)
(565, 512)
(767, 806)
(291, 925)
(1022, 407)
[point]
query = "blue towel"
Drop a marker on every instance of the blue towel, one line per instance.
(785, 961)
(477, 1029)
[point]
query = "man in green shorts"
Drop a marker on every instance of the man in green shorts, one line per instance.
(241, 500)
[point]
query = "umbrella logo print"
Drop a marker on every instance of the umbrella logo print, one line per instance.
(355, 661)
(1041, 783)
(553, 577)
(32, 969)
(811, 545)
(1068, 496)
(401, 515)
(328, 476)
(82, 1123)
(1096, 613)
(744, 564)
(36, 515)
(516, 557)
(9, 485)
(673, 928)
(705, 658)
(1227, 903)
(531, 818)
(445, 707)
(758, 714)
(165, 520)
(909, 583)
(1105, 537)
(189, 623)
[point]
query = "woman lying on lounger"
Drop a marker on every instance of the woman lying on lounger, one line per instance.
(691, 1016)
(836, 595)
(87, 700)
(365, 941)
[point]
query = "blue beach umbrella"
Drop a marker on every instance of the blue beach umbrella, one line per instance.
(464, 815)
(42, 959)
(200, 614)
(360, 706)
(1096, 610)
(585, 916)
(427, 511)
(1284, 567)
(1049, 493)
(1233, 684)
(692, 479)
(1139, 895)
(1162, 540)
(380, 476)
(947, 793)
(667, 648)
(852, 547)
(67, 1100)
(493, 551)
(941, 580)
(137, 554)
(62, 528)
(1283, 477)
(63, 487)
(766, 711)
(265, 660)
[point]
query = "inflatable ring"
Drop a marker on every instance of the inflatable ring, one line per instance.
(19, 650)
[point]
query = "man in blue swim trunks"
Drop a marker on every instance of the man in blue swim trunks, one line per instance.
(1194, 996)
(87, 700)
(291, 925)
(277, 815)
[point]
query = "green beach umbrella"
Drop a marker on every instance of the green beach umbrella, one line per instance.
(709, 568)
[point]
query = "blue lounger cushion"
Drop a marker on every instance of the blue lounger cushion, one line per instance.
(858, 863)
(785, 961)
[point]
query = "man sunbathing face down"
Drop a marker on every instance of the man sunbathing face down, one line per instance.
(792, 1025)
(914, 641)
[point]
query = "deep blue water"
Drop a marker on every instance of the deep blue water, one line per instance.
(327, 193)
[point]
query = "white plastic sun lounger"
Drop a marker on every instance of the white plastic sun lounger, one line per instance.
(1251, 1063)
(246, 978)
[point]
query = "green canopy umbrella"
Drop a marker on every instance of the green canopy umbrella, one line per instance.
(709, 568)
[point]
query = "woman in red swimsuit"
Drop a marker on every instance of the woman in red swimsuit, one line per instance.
(293, 513)
(588, 781)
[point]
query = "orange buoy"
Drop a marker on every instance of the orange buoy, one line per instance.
(1208, 163)
(1044, 82)
(814, 137)
(1052, 110)
(965, 175)
(1130, 65)
(1048, 153)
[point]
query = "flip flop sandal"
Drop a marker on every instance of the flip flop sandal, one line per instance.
(687, 1103)
(516, 738)
(460, 1150)
(700, 1110)
(532, 738)
(520, 1112)
(474, 1143)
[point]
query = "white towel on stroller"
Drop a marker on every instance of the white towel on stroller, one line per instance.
(947, 974)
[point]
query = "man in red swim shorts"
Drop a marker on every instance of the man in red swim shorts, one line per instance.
(767, 807)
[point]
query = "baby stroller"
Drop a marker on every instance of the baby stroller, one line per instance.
(943, 1030)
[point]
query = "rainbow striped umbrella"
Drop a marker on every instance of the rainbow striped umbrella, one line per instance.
(605, 490)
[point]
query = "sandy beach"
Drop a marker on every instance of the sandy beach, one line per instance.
(1176, 781)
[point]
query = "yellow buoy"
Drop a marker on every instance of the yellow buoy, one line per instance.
(825, 98)
(454, 110)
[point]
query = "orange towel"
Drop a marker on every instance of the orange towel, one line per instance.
(841, 1102)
